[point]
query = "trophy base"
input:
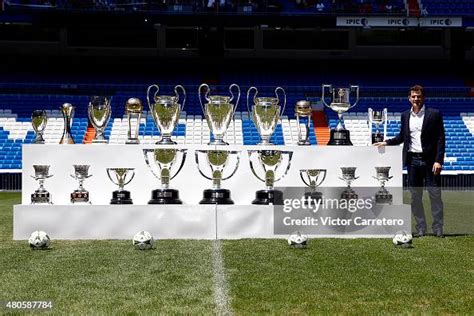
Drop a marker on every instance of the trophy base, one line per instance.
(165, 141)
(66, 140)
(165, 196)
(38, 141)
(383, 197)
(121, 197)
(80, 197)
(41, 198)
(377, 138)
(304, 143)
(349, 194)
(265, 197)
(216, 196)
(340, 138)
(218, 142)
(99, 141)
(132, 142)
(313, 196)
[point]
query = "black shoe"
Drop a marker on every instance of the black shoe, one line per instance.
(439, 234)
(419, 234)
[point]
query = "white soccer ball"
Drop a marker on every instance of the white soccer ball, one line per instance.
(402, 238)
(143, 240)
(298, 240)
(39, 240)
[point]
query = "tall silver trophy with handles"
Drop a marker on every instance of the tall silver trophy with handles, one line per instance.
(41, 195)
(165, 110)
(340, 103)
(39, 119)
(99, 111)
(377, 118)
(218, 111)
(303, 111)
(266, 112)
(217, 165)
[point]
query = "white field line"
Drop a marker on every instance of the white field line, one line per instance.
(221, 287)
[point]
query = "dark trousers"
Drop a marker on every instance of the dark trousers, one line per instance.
(420, 173)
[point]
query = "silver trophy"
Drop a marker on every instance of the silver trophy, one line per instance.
(266, 112)
(99, 111)
(382, 175)
(377, 118)
(165, 164)
(303, 111)
(269, 166)
(348, 175)
(80, 195)
(133, 109)
(67, 111)
(41, 195)
(39, 119)
(218, 111)
(165, 110)
(313, 178)
(121, 177)
(216, 168)
(340, 104)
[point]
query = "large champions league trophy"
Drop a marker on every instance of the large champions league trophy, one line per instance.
(340, 104)
(165, 110)
(218, 111)
(165, 164)
(99, 111)
(67, 111)
(133, 109)
(41, 195)
(382, 175)
(377, 117)
(39, 119)
(121, 177)
(269, 162)
(348, 175)
(266, 112)
(214, 168)
(303, 110)
(313, 178)
(80, 195)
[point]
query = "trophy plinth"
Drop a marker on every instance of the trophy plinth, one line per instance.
(377, 137)
(40, 197)
(121, 177)
(270, 196)
(349, 194)
(121, 197)
(80, 197)
(165, 196)
(38, 121)
(216, 196)
(383, 197)
(348, 175)
(340, 138)
(166, 141)
(313, 196)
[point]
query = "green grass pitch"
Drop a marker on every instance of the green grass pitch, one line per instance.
(356, 276)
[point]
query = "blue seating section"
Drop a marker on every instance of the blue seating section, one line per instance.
(449, 8)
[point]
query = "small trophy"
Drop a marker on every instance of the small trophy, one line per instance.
(41, 195)
(217, 161)
(266, 112)
(39, 119)
(383, 196)
(313, 178)
(165, 164)
(348, 175)
(165, 110)
(68, 113)
(134, 109)
(303, 110)
(121, 177)
(218, 111)
(269, 161)
(80, 195)
(378, 117)
(340, 104)
(99, 111)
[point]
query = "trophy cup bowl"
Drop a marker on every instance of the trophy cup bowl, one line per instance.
(270, 162)
(348, 175)
(266, 112)
(217, 163)
(340, 104)
(382, 175)
(313, 178)
(303, 109)
(133, 109)
(80, 195)
(41, 195)
(99, 111)
(39, 119)
(121, 177)
(67, 111)
(165, 164)
(218, 111)
(165, 110)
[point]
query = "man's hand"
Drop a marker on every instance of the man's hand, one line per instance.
(380, 144)
(437, 167)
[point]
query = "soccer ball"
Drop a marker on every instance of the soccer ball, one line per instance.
(39, 240)
(402, 238)
(143, 240)
(298, 240)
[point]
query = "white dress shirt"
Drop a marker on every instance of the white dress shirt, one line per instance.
(416, 123)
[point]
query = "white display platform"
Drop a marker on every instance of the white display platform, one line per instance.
(190, 220)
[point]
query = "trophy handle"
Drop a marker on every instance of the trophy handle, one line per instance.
(236, 165)
(154, 95)
(131, 178)
(324, 178)
(206, 95)
(111, 179)
(370, 118)
(284, 102)
(324, 86)
(385, 123)
(356, 88)
(232, 98)
(302, 178)
(196, 157)
(177, 95)
(251, 152)
(290, 155)
(254, 98)
(181, 165)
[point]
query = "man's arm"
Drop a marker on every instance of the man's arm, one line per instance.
(441, 141)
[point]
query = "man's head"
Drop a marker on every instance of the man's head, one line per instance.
(416, 96)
